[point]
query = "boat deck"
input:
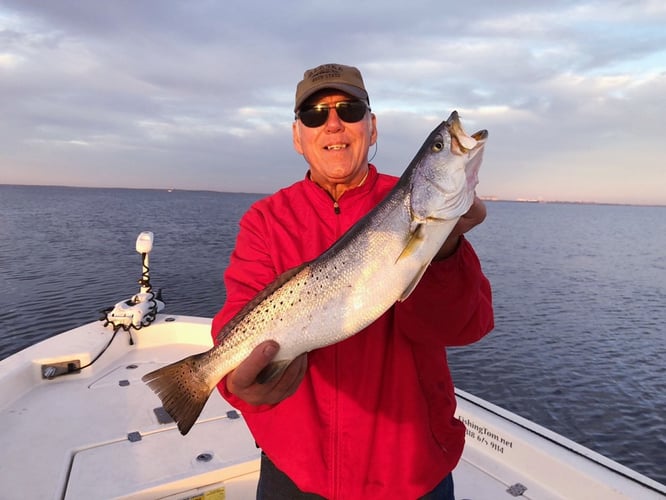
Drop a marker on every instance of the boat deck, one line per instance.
(96, 434)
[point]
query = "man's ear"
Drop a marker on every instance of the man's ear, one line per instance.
(373, 129)
(296, 137)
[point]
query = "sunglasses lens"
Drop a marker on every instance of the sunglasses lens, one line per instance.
(351, 112)
(348, 111)
(314, 116)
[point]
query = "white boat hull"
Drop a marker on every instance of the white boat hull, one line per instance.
(95, 434)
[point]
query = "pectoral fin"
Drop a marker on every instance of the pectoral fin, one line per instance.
(415, 239)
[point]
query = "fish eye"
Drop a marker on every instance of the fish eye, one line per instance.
(437, 145)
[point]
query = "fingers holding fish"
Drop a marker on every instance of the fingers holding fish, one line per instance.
(257, 380)
(474, 216)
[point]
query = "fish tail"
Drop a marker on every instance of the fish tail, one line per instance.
(182, 390)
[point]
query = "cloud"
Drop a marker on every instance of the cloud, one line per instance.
(199, 96)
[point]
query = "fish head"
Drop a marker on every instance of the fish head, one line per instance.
(445, 171)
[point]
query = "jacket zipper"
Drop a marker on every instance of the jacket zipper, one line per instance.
(336, 207)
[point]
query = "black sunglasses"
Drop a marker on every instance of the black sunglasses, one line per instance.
(348, 111)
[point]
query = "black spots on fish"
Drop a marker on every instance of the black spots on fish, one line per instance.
(274, 309)
(294, 300)
(322, 277)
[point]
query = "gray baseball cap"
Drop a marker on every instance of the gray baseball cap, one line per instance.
(348, 79)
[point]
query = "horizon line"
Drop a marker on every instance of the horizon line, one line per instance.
(489, 198)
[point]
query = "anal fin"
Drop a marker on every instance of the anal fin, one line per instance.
(273, 370)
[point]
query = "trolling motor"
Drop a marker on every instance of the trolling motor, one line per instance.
(141, 309)
(137, 312)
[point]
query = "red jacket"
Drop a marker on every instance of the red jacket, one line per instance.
(373, 417)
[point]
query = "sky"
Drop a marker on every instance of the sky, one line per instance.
(199, 94)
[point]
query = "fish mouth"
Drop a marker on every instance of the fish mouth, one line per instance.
(470, 146)
(461, 142)
(481, 135)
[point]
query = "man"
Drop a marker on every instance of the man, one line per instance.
(372, 416)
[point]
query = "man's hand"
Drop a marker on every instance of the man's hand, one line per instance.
(242, 381)
(474, 216)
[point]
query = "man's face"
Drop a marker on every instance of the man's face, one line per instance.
(336, 151)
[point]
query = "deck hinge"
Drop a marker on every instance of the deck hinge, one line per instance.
(516, 490)
(162, 416)
(133, 437)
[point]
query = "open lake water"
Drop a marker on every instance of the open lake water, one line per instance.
(579, 291)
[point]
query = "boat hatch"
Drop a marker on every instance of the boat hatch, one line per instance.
(162, 463)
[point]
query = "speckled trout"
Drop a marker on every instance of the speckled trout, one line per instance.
(376, 263)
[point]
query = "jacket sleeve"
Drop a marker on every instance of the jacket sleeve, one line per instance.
(451, 305)
(250, 270)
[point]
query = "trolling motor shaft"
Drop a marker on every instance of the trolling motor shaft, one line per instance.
(141, 309)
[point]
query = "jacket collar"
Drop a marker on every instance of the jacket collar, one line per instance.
(319, 193)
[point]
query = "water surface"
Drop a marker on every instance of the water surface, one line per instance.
(579, 293)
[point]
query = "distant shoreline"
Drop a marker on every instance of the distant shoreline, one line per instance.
(166, 190)
(570, 202)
